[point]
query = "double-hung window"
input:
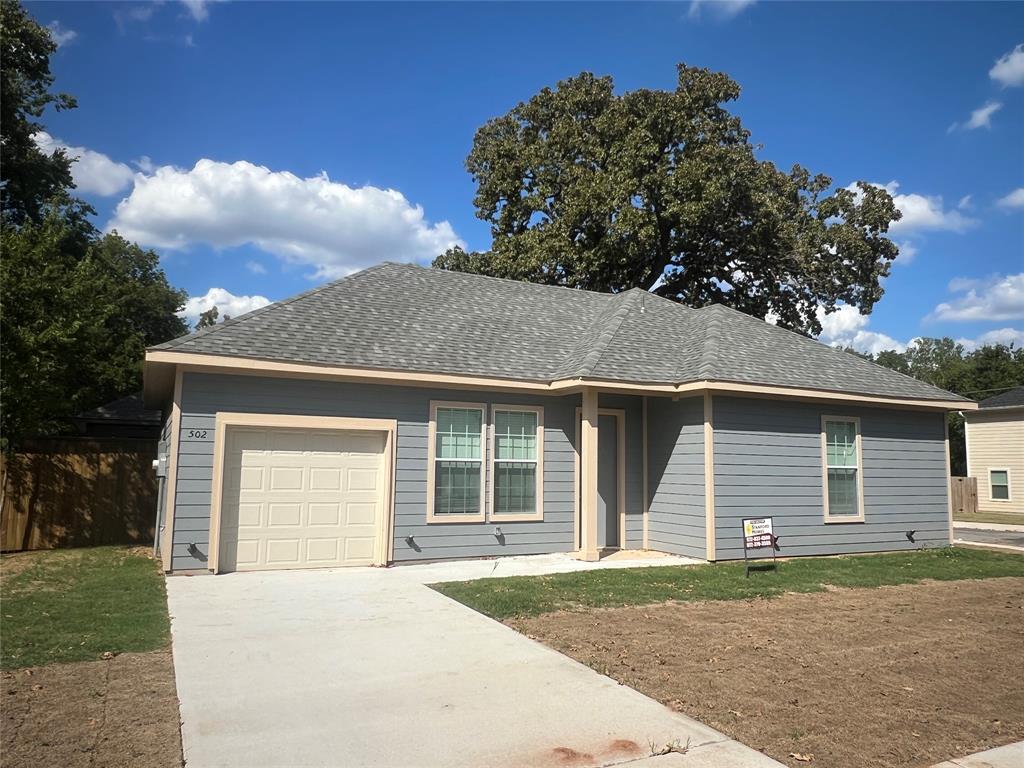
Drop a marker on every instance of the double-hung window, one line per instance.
(456, 456)
(999, 484)
(844, 502)
(516, 461)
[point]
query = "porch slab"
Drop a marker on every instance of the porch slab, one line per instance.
(535, 565)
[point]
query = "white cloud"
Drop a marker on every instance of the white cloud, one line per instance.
(1006, 336)
(993, 299)
(226, 303)
(333, 227)
(908, 251)
(1013, 200)
(722, 10)
(197, 9)
(60, 35)
(847, 327)
(92, 171)
(965, 203)
(1009, 68)
(255, 267)
(980, 118)
(922, 212)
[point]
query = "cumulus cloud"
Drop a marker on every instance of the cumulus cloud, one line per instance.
(847, 327)
(1009, 68)
(92, 171)
(922, 212)
(60, 34)
(1006, 336)
(980, 118)
(723, 10)
(993, 299)
(226, 303)
(1013, 200)
(335, 228)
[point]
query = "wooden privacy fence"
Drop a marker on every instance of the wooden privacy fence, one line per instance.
(965, 495)
(78, 492)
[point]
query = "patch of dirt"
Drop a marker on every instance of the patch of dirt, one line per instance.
(892, 677)
(122, 712)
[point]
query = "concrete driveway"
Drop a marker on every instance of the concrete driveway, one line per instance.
(1009, 537)
(368, 667)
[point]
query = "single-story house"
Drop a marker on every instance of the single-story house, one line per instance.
(407, 414)
(994, 436)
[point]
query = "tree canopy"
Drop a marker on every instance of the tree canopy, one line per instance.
(977, 374)
(662, 190)
(77, 307)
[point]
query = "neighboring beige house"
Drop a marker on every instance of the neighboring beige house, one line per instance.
(995, 451)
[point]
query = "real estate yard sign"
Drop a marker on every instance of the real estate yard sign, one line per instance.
(757, 534)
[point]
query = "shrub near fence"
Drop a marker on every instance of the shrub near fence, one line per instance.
(78, 492)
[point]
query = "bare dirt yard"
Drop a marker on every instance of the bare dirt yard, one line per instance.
(893, 677)
(113, 713)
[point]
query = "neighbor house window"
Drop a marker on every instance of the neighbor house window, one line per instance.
(999, 484)
(516, 463)
(456, 456)
(844, 500)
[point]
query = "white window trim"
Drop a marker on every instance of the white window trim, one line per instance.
(539, 496)
(478, 517)
(859, 517)
(1009, 485)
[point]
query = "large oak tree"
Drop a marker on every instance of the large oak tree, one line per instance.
(588, 188)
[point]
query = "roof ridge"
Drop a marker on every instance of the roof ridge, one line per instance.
(172, 343)
(709, 353)
(611, 327)
(605, 294)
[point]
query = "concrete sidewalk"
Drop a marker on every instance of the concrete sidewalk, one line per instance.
(1010, 756)
(369, 667)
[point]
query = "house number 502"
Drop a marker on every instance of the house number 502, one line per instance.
(198, 434)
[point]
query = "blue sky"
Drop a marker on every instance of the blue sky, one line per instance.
(261, 148)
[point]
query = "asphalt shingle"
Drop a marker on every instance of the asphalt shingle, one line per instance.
(1009, 399)
(409, 318)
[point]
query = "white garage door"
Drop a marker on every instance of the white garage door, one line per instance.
(300, 498)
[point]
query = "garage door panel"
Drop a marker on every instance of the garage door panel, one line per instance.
(325, 479)
(322, 550)
(283, 551)
(321, 513)
(362, 479)
(284, 514)
(301, 498)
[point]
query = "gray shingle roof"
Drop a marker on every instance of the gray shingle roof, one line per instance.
(1015, 397)
(409, 318)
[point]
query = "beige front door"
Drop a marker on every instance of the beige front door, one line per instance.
(300, 498)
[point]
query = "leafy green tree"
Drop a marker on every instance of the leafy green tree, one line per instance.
(77, 308)
(986, 371)
(587, 188)
(30, 177)
(207, 319)
(77, 318)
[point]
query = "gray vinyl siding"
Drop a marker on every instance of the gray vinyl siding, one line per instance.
(203, 395)
(634, 428)
(675, 456)
(768, 462)
(163, 449)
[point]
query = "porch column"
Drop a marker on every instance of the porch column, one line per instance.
(588, 477)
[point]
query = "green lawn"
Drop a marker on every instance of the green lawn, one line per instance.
(73, 605)
(533, 595)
